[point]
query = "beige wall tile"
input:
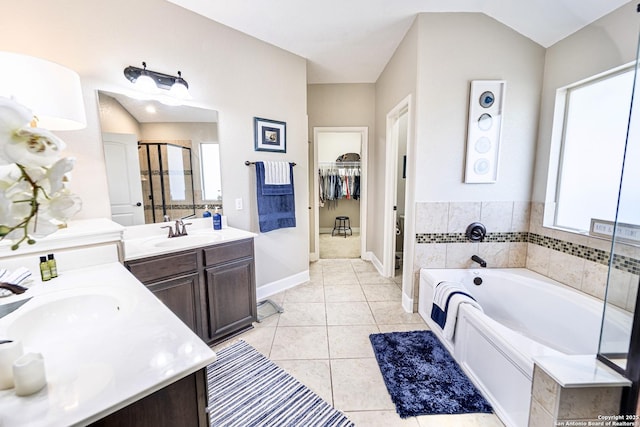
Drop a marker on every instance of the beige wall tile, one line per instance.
(432, 217)
(566, 268)
(517, 254)
(538, 417)
(594, 279)
(496, 216)
(521, 216)
(459, 255)
(579, 403)
(429, 255)
(618, 287)
(461, 214)
(535, 224)
(538, 258)
(495, 254)
(545, 390)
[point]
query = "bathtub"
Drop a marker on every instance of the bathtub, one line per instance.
(525, 315)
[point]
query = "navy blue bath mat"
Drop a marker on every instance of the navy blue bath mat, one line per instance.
(422, 377)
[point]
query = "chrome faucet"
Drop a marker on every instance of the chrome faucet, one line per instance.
(479, 260)
(180, 229)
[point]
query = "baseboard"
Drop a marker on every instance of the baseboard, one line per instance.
(273, 288)
(370, 256)
(407, 303)
(328, 230)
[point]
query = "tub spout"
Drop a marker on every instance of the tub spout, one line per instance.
(479, 260)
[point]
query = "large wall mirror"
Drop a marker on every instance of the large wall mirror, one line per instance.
(163, 162)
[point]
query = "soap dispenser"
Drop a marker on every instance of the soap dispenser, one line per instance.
(206, 213)
(217, 220)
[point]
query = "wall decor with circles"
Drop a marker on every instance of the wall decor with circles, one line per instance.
(486, 102)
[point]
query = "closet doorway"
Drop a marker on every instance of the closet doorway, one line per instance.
(339, 192)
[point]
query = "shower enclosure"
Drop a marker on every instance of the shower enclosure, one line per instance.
(620, 332)
(167, 181)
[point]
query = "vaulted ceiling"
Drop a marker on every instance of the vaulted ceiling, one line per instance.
(350, 41)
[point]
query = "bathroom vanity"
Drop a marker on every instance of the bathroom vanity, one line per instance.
(211, 288)
(114, 354)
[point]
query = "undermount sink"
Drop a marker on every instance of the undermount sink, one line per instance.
(188, 240)
(73, 315)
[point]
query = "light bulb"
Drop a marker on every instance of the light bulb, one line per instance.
(145, 83)
(179, 90)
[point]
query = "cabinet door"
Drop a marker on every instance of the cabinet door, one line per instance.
(231, 298)
(181, 295)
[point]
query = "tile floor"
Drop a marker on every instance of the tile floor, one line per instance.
(322, 339)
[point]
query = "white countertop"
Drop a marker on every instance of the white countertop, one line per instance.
(149, 240)
(96, 361)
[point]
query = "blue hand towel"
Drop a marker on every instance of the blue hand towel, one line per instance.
(276, 203)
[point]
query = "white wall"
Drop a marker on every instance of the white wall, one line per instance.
(342, 105)
(397, 81)
(456, 48)
(233, 73)
(606, 43)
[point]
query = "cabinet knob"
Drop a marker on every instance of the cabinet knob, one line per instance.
(139, 204)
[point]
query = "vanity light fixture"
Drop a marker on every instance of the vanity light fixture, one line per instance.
(151, 81)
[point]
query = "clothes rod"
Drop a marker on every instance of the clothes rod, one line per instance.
(247, 162)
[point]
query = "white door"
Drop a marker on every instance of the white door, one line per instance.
(123, 175)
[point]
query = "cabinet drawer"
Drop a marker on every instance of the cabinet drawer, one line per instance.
(228, 251)
(149, 270)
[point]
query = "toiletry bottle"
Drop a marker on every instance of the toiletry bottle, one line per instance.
(206, 213)
(53, 266)
(217, 220)
(45, 272)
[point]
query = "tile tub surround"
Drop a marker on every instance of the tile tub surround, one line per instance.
(516, 238)
(574, 391)
(329, 351)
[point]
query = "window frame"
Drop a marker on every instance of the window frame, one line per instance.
(557, 149)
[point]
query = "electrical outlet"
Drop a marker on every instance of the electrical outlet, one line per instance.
(238, 204)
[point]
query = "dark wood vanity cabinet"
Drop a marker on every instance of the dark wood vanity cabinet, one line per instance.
(230, 284)
(211, 289)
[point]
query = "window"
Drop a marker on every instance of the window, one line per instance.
(594, 128)
(211, 179)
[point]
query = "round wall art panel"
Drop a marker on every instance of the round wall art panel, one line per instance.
(487, 99)
(481, 166)
(485, 121)
(483, 145)
(484, 128)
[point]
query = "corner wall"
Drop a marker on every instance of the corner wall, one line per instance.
(453, 50)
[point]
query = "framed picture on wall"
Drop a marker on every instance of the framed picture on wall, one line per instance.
(270, 135)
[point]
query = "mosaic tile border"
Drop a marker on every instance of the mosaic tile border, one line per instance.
(620, 262)
(507, 237)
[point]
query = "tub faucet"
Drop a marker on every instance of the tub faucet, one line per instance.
(479, 260)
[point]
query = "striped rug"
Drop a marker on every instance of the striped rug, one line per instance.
(246, 389)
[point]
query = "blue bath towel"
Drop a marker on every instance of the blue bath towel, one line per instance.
(276, 203)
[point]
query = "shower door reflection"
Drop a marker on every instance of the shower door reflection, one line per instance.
(167, 180)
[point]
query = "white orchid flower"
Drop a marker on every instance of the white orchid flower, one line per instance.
(61, 206)
(57, 173)
(25, 145)
(33, 197)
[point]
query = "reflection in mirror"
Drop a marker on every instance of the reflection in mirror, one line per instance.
(162, 161)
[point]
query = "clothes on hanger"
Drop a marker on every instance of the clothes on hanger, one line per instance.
(338, 180)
